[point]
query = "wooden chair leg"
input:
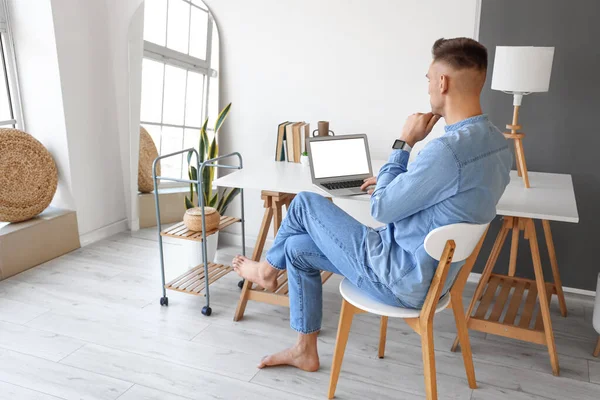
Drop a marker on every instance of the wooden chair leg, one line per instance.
(554, 264)
(597, 350)
(382, 335)
(428, 361)
(463, 336)
(346, 316)
(487, 271)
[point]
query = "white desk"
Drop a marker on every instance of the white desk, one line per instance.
(550, 198)
(293, 178)
(285, 177)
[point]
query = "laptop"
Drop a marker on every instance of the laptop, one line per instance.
(340, 164)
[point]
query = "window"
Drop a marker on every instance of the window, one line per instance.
(176, 77)
(10, 105)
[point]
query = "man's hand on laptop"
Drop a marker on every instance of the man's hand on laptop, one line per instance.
(417, 127)
(372, 181)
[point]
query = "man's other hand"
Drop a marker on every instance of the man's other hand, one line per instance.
(372, 181)
(417, 127)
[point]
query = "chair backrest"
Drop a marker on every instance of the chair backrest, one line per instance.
(465, 236)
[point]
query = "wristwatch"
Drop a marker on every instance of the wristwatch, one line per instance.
(401, 145)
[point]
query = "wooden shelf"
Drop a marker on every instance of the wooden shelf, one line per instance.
(497, 311)
(182, 232)
(194, 282)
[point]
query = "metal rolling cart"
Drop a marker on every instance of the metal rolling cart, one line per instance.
(197, 280)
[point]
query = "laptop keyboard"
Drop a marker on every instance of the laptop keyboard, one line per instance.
(343, 184)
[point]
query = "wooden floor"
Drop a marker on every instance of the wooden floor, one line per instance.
(89, 326)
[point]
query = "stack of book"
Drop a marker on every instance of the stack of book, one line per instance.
(291, 141)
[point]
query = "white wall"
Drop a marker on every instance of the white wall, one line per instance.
(135, 56)
(125, 26)
(40, 86)
(73, 62)
(85, 62)
(359, 64)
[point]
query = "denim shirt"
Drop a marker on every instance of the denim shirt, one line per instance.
(458, 177)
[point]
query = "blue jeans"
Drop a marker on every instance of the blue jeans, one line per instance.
(315, 236)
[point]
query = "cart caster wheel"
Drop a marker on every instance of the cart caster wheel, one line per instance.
(164, 301)
(206, 310)
(241, 284)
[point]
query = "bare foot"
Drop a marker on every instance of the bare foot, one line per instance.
(304, 359)
(261, 273)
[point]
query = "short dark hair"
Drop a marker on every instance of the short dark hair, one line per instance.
(460, 53)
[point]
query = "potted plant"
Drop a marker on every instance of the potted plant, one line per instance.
(220, 200)
(304, 158)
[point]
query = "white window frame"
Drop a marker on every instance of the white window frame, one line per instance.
(7, 56)
(187, 62)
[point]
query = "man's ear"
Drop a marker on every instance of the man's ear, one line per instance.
(444, 83)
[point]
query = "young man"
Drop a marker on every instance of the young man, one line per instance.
(458, 177)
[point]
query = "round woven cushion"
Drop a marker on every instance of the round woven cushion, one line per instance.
(148, 154)
(28, 176)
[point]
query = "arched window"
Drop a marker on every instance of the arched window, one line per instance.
(177, 72)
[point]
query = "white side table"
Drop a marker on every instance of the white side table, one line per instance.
(550, 198)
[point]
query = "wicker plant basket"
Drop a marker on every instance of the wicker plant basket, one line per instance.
(193, 219)
(28, 176)
(148, 154)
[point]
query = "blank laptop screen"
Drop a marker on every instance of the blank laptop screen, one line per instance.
(339, 157)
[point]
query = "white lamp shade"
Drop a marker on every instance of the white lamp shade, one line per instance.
(522, 69)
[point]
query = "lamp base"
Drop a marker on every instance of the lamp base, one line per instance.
(519, 152)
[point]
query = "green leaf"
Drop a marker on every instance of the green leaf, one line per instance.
(189, 156)
(188, 203)
(212, 153)
(227, 199)
(193, 173)
(214, 199)
(191, 185)
(221, 118)
(213, 150)
(207, 182)
(202, 148)
(203, 142)
(222, 199)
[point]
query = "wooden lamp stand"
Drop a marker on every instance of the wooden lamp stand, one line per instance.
(518, 138)
(521, 70)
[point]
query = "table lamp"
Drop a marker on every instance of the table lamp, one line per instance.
(521, 70)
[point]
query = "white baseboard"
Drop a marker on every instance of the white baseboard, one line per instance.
(103, 233)
(233, 239)
(582, 292)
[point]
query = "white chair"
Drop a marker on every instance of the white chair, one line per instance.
(446, 244)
